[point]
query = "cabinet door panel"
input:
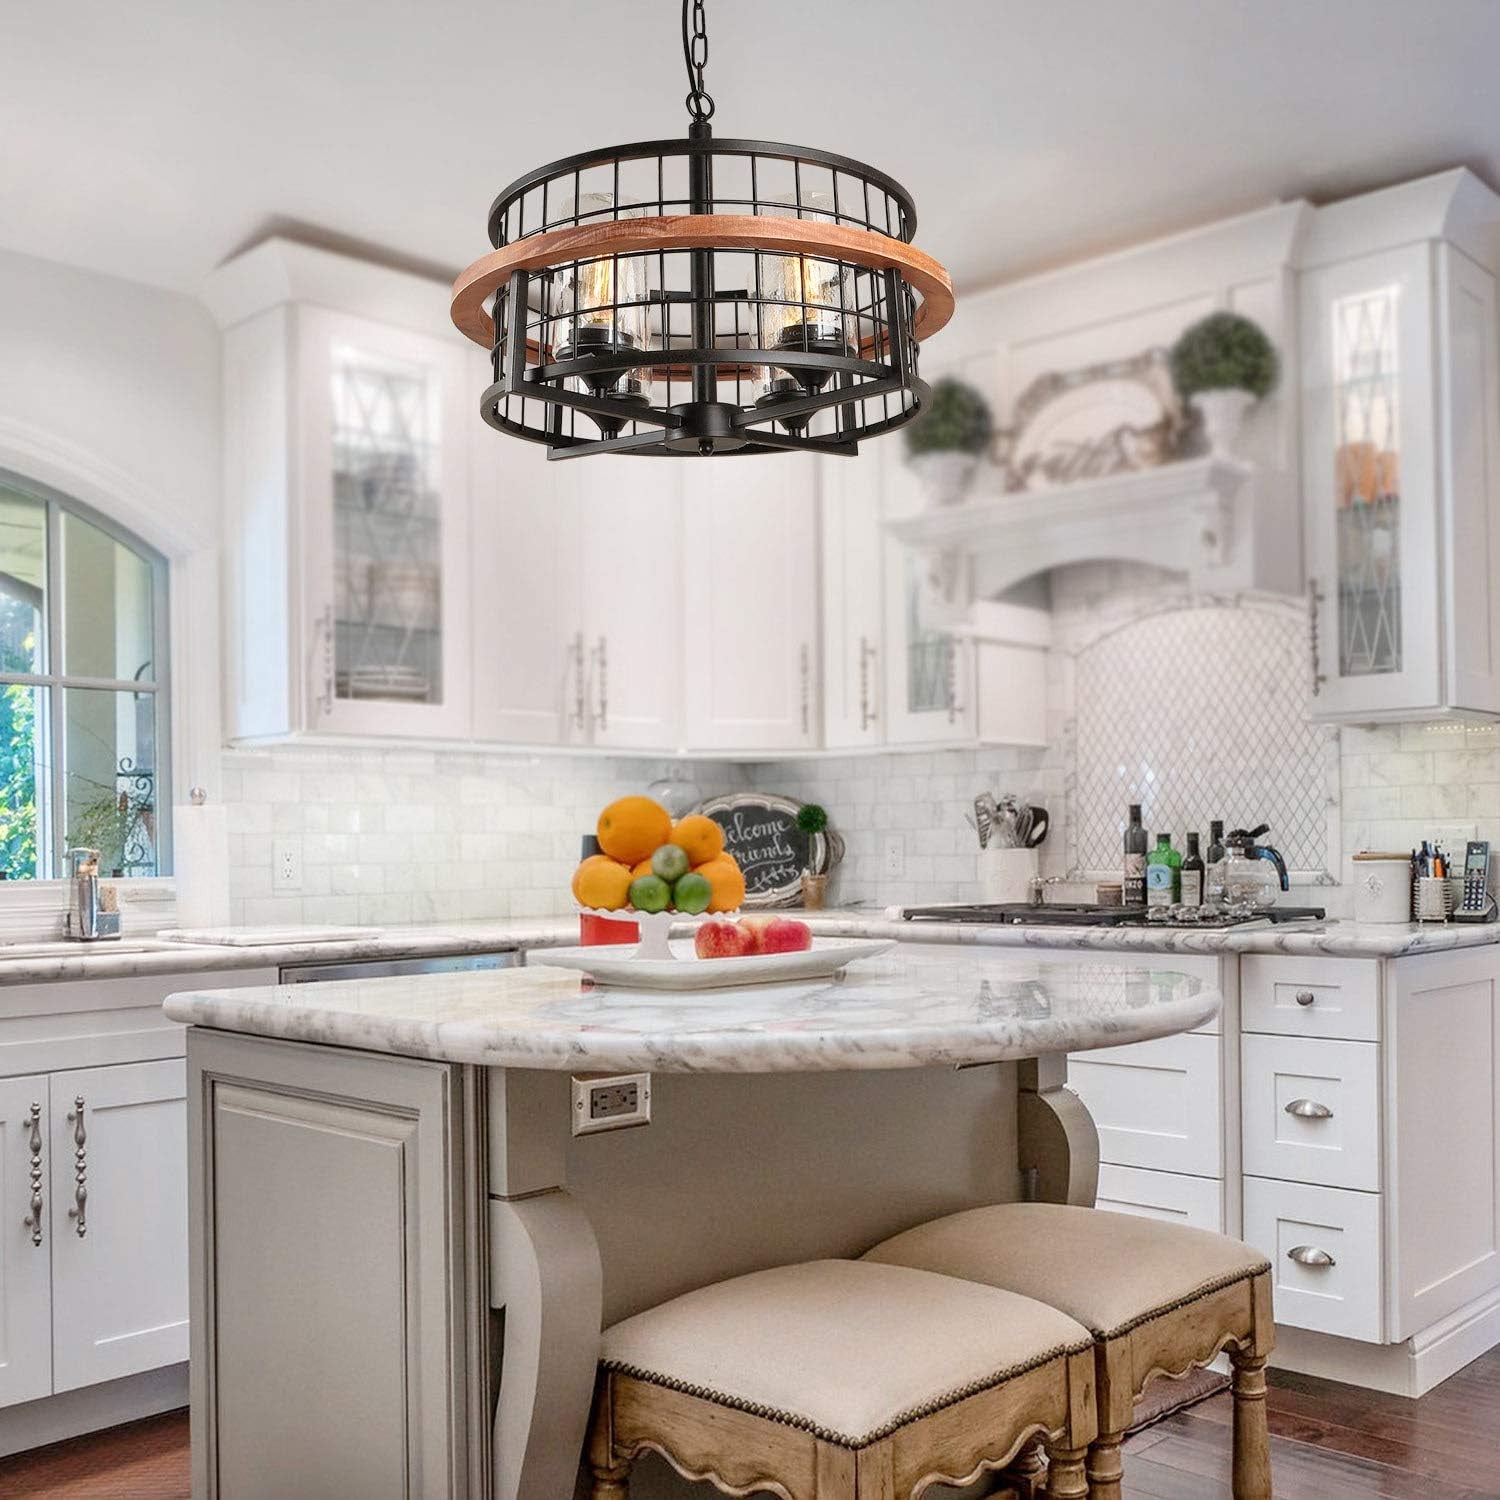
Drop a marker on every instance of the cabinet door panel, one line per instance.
(1369, 480)
(383, 431)
(630, 543)
(119, 1272)
(25, 1249)
(750, 604)
(853, 603)
(1170, 1196)
(530, 681)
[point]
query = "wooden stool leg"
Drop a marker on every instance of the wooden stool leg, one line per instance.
(1104, 1467)
(609, 1484)
(1065, 1476)
(1252, 1441)
(1029, 1469)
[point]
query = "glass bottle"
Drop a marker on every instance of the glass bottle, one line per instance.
(1213, 865)
(1134, 892)
(1163, 873)
(1192, 873)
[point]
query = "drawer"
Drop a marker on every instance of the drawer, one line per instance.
(1311, 1110)
(1324, 1248)
(1173, 1196)
(1331, 997)
(1157, 1104)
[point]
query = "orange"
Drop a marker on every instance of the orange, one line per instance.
(644, 868)
(725, 880)
(633, 829)
(700, 836)
(602, 882)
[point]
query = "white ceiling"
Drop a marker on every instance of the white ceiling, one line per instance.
(155, 139)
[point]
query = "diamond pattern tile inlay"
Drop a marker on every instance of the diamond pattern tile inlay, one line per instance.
(1197, 713)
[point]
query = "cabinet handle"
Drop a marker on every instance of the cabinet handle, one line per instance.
(1308, 1255)
(804, 661)
(1306, 997)
(325, 631)
(580, 686)
(79, 1211)
(1314, 599)
(603, 659)
(867, 715)
(1309, 1109)
(33, 1220)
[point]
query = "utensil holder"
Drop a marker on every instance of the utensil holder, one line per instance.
(1006, 874)
(1434, 898)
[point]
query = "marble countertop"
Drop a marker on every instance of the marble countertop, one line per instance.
(914, 1008)
(146, 956)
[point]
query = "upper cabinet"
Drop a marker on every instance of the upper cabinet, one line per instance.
(1399, 347)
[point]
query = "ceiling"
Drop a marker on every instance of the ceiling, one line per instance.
(154, 140)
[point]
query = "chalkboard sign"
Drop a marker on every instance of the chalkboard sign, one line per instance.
(761, 832)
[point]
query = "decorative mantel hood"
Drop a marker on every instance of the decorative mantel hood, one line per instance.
(1179, 515)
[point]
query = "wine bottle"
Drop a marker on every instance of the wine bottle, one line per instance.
(1134, 893)
(1213, 864)
(1192, 873)
(1163, 873)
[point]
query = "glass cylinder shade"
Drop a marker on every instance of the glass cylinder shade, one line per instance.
(804, 305)
(601, 306)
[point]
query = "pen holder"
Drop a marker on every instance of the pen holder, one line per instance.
(1434, 900)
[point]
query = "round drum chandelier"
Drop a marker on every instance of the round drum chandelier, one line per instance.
(702, 296)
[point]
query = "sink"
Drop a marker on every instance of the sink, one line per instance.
(64, 948)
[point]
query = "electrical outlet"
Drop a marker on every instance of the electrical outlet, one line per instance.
(286, 863)
(611, 1102)
(895, 854)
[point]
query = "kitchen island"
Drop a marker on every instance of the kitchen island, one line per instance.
(402, 1257)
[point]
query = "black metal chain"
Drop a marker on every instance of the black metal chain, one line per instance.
(695, 54)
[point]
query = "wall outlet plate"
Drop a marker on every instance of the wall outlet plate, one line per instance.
(895, 854)
(610, 1101)
(286, 863)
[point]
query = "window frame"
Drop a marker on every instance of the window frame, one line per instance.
(56, 681)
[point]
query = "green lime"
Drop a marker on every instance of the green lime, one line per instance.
(670, 862)
(650, 893)
(692, 894)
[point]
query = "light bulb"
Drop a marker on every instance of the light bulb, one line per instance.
(600, 305)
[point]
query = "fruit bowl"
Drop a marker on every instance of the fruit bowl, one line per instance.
(656, 926)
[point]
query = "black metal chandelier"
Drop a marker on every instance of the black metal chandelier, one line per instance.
(702, 296)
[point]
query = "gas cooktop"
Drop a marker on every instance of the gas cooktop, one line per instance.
(1077, 914)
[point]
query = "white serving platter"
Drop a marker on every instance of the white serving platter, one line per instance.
(684, 970)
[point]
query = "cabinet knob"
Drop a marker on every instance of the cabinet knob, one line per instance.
(1309, 1109)
(1305, 997)
(1311, 1256)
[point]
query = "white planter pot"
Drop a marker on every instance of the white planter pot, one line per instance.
(945, 476)
(1223, 414)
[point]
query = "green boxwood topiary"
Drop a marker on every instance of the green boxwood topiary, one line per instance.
(957, 420)
(1223, 352)
(811, 818)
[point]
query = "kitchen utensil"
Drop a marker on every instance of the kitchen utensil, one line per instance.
(1031, 827)
(1007, 814)
(682, 969)
(985, 815)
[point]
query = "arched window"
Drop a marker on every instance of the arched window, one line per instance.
(84, 730)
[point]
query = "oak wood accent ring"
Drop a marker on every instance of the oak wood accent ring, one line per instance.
(770, 235)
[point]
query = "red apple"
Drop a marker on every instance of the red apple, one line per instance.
(785, 935)
(721, 940)
(754, 929)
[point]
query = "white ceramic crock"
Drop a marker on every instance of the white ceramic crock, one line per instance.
(1382, 888)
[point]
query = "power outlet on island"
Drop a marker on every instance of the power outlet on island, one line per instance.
(895, 854)
(614, 1101)
(286, 863)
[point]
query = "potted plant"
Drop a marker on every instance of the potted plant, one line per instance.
(944, 444)
(1223, 364)
(813, 820)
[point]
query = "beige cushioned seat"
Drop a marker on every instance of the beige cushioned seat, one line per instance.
(1109, 1271)
(847, 1350)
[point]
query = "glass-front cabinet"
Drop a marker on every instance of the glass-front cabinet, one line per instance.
(384, 457)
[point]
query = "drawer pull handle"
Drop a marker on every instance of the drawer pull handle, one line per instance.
(1309, 1109)
(1308, 1255)
(1305, 997)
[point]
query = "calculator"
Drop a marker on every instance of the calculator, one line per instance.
(1477, 905)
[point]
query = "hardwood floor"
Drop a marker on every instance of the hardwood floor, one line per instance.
(1330, 1442)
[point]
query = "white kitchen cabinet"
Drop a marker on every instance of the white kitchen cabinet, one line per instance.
(118, 1221)
(1174, 1197)
(853, 558)
(750, 604)
(1401, 400)
(25, 1242)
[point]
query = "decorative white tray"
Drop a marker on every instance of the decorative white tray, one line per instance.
(682, 969)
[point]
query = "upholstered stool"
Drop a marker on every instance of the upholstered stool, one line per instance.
(1159, 1299)
(843, 1380)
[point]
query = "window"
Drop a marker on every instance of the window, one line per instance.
(83, 691)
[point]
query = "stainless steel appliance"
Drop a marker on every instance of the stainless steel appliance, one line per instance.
(1078, 914)
(384, 968)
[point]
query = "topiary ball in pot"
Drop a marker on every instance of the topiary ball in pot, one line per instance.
(944, 444)
(1223, 364)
